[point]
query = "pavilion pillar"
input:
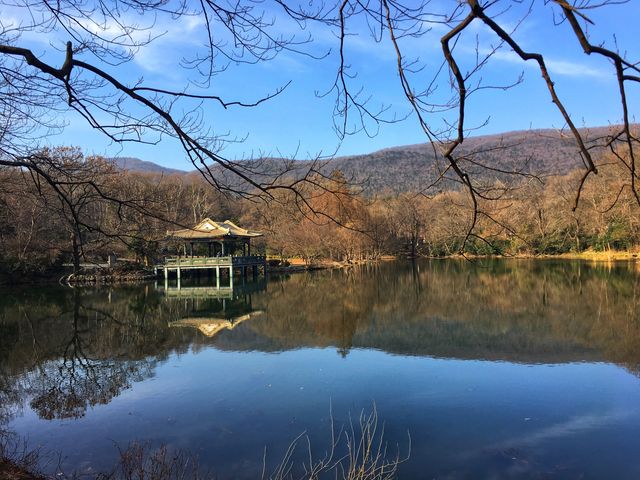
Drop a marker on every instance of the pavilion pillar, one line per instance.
(231, 276)
(249, 247)
(222, 246)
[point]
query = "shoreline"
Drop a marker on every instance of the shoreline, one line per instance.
(588, 255)
(297, 265)
(13, 470)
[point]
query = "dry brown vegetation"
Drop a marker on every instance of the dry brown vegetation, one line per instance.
(43, 225)
(474, 201)
(357, 451)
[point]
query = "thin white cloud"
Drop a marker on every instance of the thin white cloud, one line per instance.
(163, 54)
(578, 425)
(573, 426)
(574, 69)
(557, 67)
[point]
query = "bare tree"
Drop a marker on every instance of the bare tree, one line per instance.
(83, 199)
(398, 21)
(91, 39)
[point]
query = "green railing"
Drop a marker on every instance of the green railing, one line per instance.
(214, 261)
(249, 260)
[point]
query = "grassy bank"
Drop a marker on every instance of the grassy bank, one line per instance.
(10, 470)
(602, 256)
(587, 255)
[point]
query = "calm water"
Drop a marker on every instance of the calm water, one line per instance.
(509, 369)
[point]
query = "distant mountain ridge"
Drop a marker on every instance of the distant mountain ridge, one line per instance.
(411, 167)
(136, 165)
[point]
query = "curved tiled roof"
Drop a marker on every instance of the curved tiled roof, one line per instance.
(207, 228)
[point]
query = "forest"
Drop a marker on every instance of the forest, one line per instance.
(60, 206)
(78, 209)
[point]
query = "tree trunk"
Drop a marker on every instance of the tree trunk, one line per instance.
(75, 252)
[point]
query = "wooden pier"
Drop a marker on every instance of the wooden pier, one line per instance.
(220, 265)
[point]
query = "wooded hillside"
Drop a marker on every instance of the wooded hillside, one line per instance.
(528, 206)
(409, 168)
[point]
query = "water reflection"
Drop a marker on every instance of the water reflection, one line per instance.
(65, 353)
(71, 349)
(211, 310)
(523, 311)
(206, 288)
(82, 347)
(62, 354)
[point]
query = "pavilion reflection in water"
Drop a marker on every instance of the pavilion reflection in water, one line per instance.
(211, 309)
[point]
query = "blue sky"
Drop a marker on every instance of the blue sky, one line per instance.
(299, 122)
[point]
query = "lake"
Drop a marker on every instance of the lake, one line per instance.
(490, 369)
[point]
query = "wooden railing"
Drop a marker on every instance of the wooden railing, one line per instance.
(214, 261)
(249, 260)
(197, 261)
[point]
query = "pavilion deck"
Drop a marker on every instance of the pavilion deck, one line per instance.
(227, 263)
(212, 262)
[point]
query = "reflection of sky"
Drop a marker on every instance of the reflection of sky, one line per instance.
(464, 416)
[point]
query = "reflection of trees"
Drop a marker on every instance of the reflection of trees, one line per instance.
(514, 310)
(10, 397)
(74, 354)
(11, 389)
(65, 391)
(68, 352)
(67, 386)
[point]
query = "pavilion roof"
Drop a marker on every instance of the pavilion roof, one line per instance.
(211, 326)
(207, 228)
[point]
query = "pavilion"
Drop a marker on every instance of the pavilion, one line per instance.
(221, 238)
(213, 245)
